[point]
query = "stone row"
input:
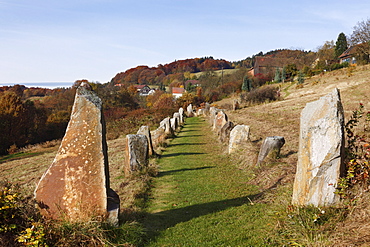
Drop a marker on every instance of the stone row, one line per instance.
(76, 186)
(321, 144)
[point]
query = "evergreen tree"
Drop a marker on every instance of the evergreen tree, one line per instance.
(341, 45)
(277, 78)
(300, 78)
(283, 74)
(247, 84)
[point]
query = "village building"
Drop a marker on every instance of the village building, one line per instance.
(348, 56)
(177, 92)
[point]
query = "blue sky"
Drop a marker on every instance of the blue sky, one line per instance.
(63, 41)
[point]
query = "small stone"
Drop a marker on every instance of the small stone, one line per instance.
(270, 147)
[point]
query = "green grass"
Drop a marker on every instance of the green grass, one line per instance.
(201, 199)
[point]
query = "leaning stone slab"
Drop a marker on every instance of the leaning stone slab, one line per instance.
(270, 147)
(76, 185)
(320, 152)
(136, 153)
(239, 136)
(144, 130)
(225, 132)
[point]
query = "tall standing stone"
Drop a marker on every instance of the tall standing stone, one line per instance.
(176, 115)
(320, 152)
(136, 153)
(181, 113)
(189, 111)
(76, 185)
(144, 130)
(270, 147)
(239, 136)
(174, 123)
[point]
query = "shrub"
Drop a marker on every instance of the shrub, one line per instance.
(357, 155)
(261, 95)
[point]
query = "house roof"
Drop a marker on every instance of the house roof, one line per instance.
(178, 90)
(140, 86)
(349, 52)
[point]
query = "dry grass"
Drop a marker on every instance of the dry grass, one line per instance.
(281, 118)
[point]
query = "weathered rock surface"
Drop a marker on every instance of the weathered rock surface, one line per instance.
(270, 147)
(239, 136)
(136, 153)
(320, 152)
(158, 136)
(76, 185)
(225, 132)
(144, 130)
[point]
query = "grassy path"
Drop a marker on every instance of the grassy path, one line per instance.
(201, 199)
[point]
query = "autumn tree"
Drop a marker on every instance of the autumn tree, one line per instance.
(341, 45)
(361, 38)
(13, 122)
(326, 53)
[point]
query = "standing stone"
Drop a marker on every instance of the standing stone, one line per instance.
(225, 132)
(136, 153)
(207, 109)
(239, 136)
(212, 115)
(176, 115)
(270, 147)
(144, 130)
(76, 186)
(235, 104)
(320, 152)
(181, 113)
(166, 123)
(158, 136)
(174, 123)
(200, 112)
(189, 111)
(219, 122)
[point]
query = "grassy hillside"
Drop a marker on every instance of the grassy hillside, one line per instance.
(276, 118)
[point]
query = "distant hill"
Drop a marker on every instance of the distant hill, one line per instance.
(165, 74)
(182, 70)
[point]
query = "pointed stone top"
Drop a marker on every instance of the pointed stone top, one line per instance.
(85, 90)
